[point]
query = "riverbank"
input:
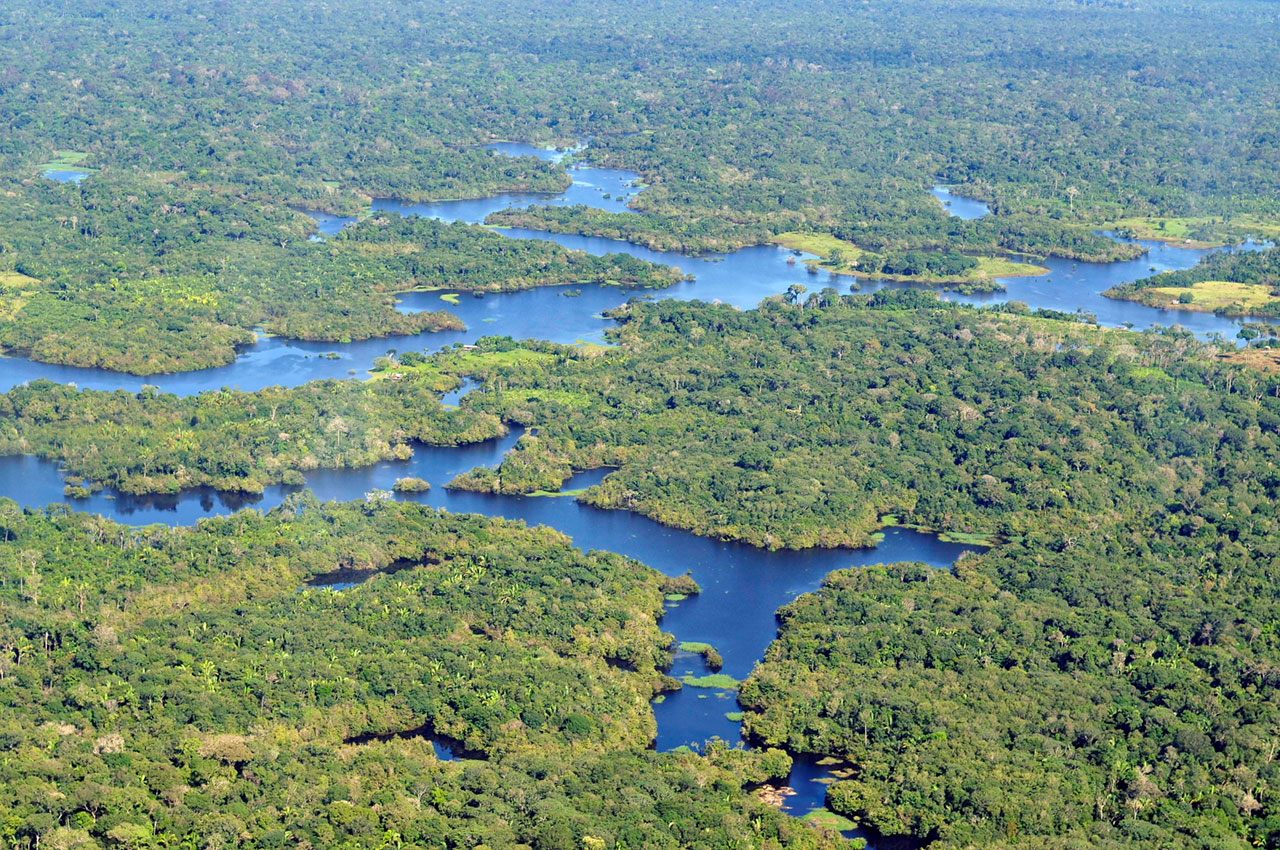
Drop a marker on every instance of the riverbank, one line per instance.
(1220, 297)
(1199, 232)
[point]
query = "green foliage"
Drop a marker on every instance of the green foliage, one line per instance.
(683, 233)
(161, 443)
(1105, 678)
(164, 291)
(178, 688)
(1252, 268)
(709, 653)
(717, 681)
(1008, 705)
(184, 240)
(792, 426)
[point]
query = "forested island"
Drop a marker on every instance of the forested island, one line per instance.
(1242, 283)
(941, 269)
(1098, 670)
(804, 424)
(231, 441)
(141, 286)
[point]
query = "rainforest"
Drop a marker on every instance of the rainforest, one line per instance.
(563, 425)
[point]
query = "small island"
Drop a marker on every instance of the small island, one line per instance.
(1244, 283)
(943, 269)
(1196, 231)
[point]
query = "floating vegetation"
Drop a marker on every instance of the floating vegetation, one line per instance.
(971, 538)
(829, 820)
(719, 681)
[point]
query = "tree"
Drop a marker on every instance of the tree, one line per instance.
(794, 291)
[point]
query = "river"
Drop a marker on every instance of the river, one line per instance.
(742, 587)
(742, 278)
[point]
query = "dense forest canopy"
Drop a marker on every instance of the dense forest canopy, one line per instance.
(137, 278)
(1104, 674)
(204, 123)
(232, 441)
(176, 687)
(803, 424)
(1120, 636)
(386, 96)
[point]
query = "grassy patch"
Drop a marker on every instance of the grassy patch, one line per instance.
(594, 349)
(489, 359)
(719, 681)
(1211, 296)
(968, 538)
(1196, 231)
(1004, 267)
(450, 297)
(565, 397)
(429, 371)
(1151, 372)
(829, 820)
(818, 243)
(10, 280)
(66, 161)
(735, 716)
(16, 290)
(465, 363)
(675, 597)
(555, 494)
(694, 646)
(823, 244)
(1263, 359)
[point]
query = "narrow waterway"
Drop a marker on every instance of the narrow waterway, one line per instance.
(742, 587)
(958, 205)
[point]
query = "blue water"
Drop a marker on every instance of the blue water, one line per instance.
(63, 176)
(958, 205)
(522, 149)
(742, 278)
(327, 224)
(590, 186)
(742, 586)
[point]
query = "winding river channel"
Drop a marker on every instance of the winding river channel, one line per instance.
(742, 587)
